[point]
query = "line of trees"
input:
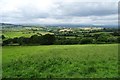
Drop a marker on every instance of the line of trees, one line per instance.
(47, 39)
(50, 39)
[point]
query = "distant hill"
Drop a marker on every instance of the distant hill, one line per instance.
(9, 25)
(57, 25)
(82, 25)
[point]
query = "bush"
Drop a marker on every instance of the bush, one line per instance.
(6, 42)
(3, 37)
(116, 33)
(47, 39)
(15, 40)
(118, 39)
(103, 37)
(21, 40)
(35, 39)
(112, 39)
(86, 41)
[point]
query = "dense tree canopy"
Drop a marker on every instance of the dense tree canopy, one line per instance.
(49, 39)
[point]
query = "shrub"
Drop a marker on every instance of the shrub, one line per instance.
(103, 37)
(3, 37)
(112, 39)
(118, 39)
(86, 41)
(6, 42)
(35, 39)
(47, 39)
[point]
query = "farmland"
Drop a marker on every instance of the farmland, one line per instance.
(59, 52)
(19, 34)
(24, 33)
(61, 61)
(59, 39)
(41, 35)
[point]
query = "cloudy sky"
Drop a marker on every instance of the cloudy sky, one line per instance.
(59, 11)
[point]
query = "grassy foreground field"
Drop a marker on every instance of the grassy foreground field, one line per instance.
(60, 61)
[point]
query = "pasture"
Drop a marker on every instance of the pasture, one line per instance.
(14, 34)
(61, 61)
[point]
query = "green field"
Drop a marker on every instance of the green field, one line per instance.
(20, 33)
(60, 61)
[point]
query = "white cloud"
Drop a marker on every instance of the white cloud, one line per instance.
(59, 11)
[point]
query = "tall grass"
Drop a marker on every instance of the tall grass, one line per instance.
(61, 61)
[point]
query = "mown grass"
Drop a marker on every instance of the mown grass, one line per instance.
(61, 61)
